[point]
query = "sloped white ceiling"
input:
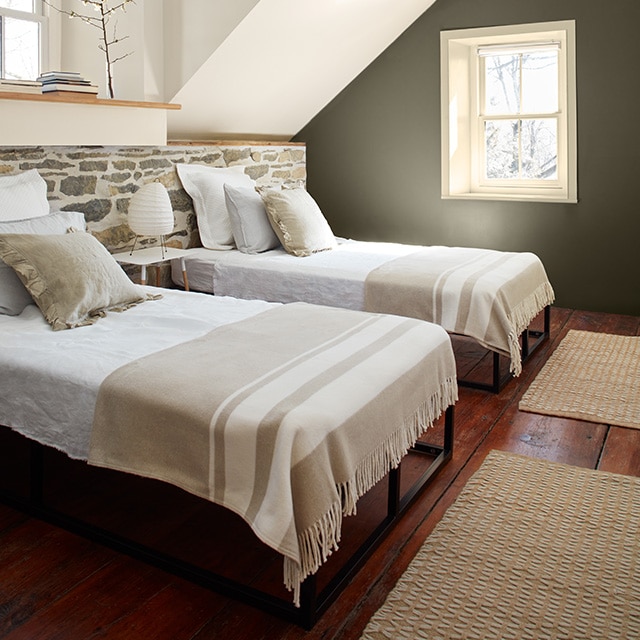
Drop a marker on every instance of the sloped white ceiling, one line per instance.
(283, 63)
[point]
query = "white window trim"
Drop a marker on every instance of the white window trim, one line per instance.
(41, 16)
(459, 68)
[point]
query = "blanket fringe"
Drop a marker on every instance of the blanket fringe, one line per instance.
(319, 541)
(521, 317)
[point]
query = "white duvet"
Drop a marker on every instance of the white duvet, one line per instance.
(49, 379)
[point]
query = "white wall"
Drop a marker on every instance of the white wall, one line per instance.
(79, 48)
(168, 40)
(193, 30)
(240, 68)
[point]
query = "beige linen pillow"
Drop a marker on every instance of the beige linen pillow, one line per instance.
(13, 296)
(298, 221)
(72, 278)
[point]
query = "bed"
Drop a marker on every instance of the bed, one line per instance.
(490, 296)
(287, 413)
(276, 245)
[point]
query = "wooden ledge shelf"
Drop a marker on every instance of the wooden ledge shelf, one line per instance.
(79, 98)
(70, 119)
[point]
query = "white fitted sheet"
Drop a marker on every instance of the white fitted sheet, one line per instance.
(50, 379)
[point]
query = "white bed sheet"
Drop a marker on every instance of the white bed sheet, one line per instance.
(329, 278)
(50, 379)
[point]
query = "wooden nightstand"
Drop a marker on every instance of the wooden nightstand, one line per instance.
(153, 256)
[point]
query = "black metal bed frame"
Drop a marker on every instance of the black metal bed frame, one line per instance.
(312, 603)
(527, 348)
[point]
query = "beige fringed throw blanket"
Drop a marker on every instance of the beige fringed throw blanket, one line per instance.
(491, 296)
(286, 418)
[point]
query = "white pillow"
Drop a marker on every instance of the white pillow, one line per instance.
(250, 224)
(22, 196)
(205, 185)
(298, 221)
(14, 297)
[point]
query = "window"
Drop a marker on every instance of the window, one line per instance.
(22, 27)
(509, 113)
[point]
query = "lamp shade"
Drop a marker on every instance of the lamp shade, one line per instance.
(150, 212)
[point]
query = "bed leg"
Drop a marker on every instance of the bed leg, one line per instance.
(547, 320)
(393, 493)
(448, 431)
(36, 473)
(525, 344)
(309, 602)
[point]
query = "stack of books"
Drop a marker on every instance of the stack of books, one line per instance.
(20, 86)
(67, 81)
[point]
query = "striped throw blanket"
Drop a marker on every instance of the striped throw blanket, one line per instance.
(286, 418)
(491, 296)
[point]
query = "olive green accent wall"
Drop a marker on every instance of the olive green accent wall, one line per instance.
(373, 154)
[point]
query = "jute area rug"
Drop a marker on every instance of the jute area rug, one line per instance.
(530, 549)
(590, 376)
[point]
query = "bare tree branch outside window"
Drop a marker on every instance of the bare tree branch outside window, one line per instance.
(104, 11)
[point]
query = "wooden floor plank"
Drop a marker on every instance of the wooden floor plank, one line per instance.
(55, 585)
(621, 453)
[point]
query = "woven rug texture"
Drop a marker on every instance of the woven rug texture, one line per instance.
(590, 376)
(530, 549)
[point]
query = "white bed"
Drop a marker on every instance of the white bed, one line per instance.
(238, 402)
(54, 392)
(490, 296)
(275, 244)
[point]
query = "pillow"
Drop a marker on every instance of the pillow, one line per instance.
(205, 185)
(298, 221)
(23, 195)
(72, 278)
(250, 224)
(13, 295)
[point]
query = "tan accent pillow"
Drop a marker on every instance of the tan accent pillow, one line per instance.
(298, 221)
(72, 278)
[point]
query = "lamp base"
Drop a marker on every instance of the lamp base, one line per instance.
(163, 245)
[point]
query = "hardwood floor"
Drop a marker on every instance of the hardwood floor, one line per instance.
(55, 585)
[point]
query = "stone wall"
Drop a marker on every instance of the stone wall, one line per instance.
(99, 181)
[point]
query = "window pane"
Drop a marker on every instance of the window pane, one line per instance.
(21, 49)
(501, 145)
(540, 149)
(18, 5)
(502, 84)
(540, 82)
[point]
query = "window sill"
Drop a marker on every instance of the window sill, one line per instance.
(509, 197)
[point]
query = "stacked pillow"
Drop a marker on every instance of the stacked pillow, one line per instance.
(23, 196)
(232, 212)
(14, 297)
(298, 221)
(70, 276)
(251, 228)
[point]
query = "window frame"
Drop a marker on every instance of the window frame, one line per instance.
(461, 113)
(39, 16)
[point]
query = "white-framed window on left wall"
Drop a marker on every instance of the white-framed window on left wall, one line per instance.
(23, 32)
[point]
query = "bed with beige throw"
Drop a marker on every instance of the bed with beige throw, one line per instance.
(490, 296)
(276, 245)
(285, 414)
(314, 406)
